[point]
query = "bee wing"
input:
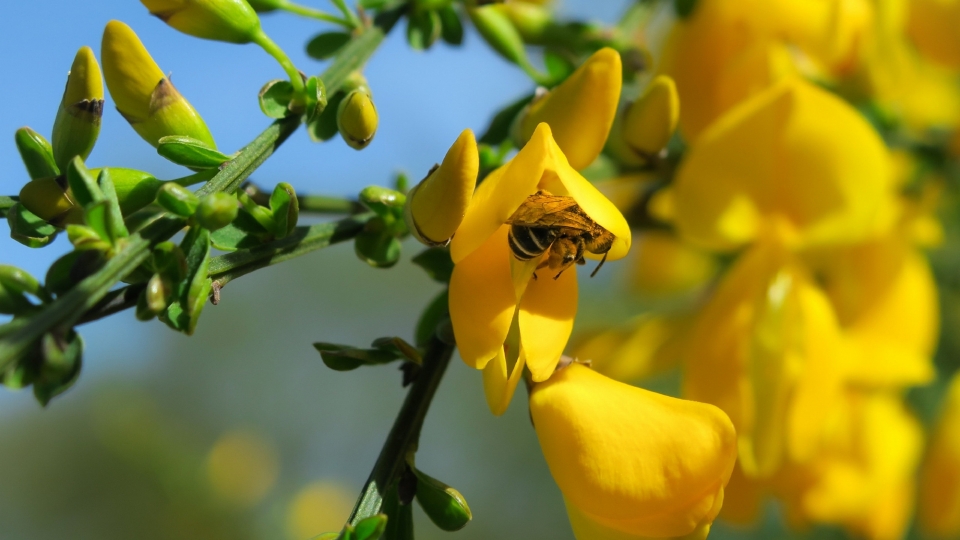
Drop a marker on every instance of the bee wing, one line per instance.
(544, 210)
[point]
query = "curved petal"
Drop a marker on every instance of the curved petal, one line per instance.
(547, 310)
(585, 528)
(482, 300)
(500, 381)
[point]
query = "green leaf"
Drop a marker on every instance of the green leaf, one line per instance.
(316, 98)
(115, 226)
(285, 208)
(398, 347)
(36, 153)
(192, 294)
(346, 358)
(177, 199)
(436, 262)
(71, 269)
(499, 128)
(82, 184)
(95, 216)
(28, 229)
(190, 152)
(275, 98)
(377, 248)
(232, 237)
(325, 45)
(684, 8)
(445, 506)
(452, 26)
(436, 311)
(62, 358)
(324, 127)
(423, 29)
(371, 528)
(558, 66)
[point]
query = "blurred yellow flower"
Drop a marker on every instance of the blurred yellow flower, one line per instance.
(242, 467)
(143, 95)
(939, 508)
(645, 346)
(662, 264)
(795, 158)
(580, 110)
(932, 26)
(490, 287)
(318, 507)
(631, 463)
(649, 122)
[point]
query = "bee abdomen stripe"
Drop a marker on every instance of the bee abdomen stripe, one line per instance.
(529, 242)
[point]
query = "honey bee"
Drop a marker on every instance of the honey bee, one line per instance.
(556, 223)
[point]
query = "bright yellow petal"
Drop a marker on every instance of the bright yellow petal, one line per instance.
(581, 109)
(546, 316)
(632, 460)
(500, 381)
(939, 508)
(482, 301)
(585, 528)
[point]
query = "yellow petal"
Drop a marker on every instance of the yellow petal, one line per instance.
(932, 25)
(939, 508)
(581, 109)
(546, 317)
(233, 21)
(482, 301)
(647, 345)
(664, 265)
(130, 71)
(500, 381)
(585, 528)
(649, 122)
(632, 460)
(794, 153)
(438, 204)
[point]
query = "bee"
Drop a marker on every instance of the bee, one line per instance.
(556, 223)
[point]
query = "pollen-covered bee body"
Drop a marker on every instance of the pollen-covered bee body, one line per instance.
(555, 223)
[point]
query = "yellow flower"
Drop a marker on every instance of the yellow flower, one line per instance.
(939, 508)
(580, 110)
(242, 467)
(436, 206)
(645, 346)
(794, 157)
(766, 349)
(662, 264)
(932, 25)
(631, 463)
(233, 21)
(143, 95)
(649, 122)
(490, 287)
(357, 118)
(864, 479)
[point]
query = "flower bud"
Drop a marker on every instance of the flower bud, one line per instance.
(581, 110)
(499, 33)
(77, 124)
(144, 96)
(632, 463)
(649, 122)
(47, 198)
(357, 118)
(216, 211)
(265, 6)
(436, 206)
(177, 199)
(233, 21)
(533, 22)
(157, 294)
(445, 506)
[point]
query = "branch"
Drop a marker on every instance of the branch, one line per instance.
(405, 431)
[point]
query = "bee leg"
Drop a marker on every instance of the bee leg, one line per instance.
(597, 269)
(581, 261)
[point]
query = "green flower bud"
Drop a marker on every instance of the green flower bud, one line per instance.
(48, 199)
(135, 189)
(285, 208)
(533, 22)
(157, 294)
(265, 6)
(62, 357)
(177, 199)
(36, 153)
(77, 124)
(357, 118)
(143, 95)
(233, 21)
(499, 33)
(84, 237)
(216, 211)
(14, 283)
(445, 506)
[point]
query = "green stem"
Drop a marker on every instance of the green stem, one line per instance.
(6, 203)
(347, 12)
(274, 50)
(313, 13)
(320, 204)
(195, 178)
(405, 430)
(303, 240)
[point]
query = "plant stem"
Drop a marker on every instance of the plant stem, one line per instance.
(313, 13)
(274, 50)
(405, 430)
(195, 178)
(320, 204)
(6, 203)
(347, 12)
(303, 240)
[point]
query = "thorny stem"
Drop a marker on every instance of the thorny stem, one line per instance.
(405, 430)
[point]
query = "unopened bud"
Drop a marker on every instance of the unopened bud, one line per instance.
(265, 6)
(177, 199)
(47, 198)
(649, 122)
(499, 33)
(436, 206)
(135, 189)
(580, 110)
(357, 118)
(157, 294)
(531, 20)
(445, 506)
(143, 95)
(216, 211)
(233, 21)
(77, 125)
